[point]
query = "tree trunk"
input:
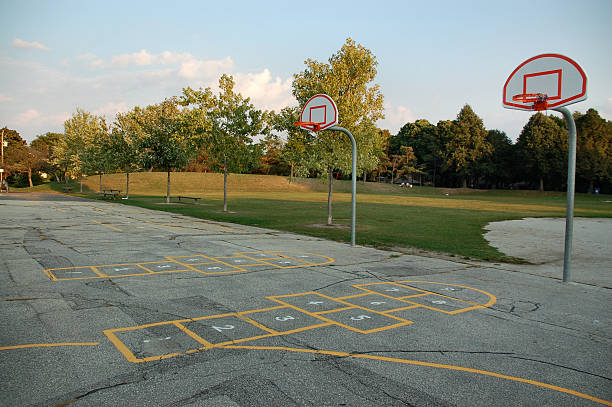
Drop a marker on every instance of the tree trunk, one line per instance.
(81, 182)
(330, 180)
(224, 184)
(364, 176)
(291, 175)
(100, 175)
(127, 185)
(591, 186)
(541, 184)
(168, 189)
(464, 185)
(30, 176)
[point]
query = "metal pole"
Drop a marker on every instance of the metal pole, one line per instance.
(2, 154)
(353, 179)
(571, 184)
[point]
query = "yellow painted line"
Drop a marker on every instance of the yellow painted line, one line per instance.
(331, 311)
(193, 335)
(400, 309)
(49, 345)
(492, 298)
(353, 296)
(108, 226)
(252, 311)
(427, 364)
(98, 272)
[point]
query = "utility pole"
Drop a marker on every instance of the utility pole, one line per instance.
(2, 166)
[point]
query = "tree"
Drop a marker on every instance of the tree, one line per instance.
(543, 147)
(121, 147)
(168, 139)
(230, 121)
(46, 145)
(13, 151)
(499, 167)
(347, 78)
(295, 150)
(272, 160)
(78, 150)
(425, 142)
(467, 144)
(404, 163)
(594, 148)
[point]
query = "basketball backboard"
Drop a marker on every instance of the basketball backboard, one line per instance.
(544, 82)
(319, 113)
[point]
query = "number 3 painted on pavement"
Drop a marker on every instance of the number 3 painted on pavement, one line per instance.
(360, 317)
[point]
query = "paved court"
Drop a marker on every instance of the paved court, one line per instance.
(105, 304)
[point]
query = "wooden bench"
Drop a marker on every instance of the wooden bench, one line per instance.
(67, 188)
(195, 198)
(112, 193)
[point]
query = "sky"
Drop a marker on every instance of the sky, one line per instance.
(433, 56)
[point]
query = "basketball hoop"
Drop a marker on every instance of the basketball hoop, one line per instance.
(312, 126)
(539, 100)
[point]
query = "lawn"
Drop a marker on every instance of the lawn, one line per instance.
(434, 219)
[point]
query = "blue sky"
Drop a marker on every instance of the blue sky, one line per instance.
(434, 56)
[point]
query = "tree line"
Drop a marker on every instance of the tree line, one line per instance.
(207, 130)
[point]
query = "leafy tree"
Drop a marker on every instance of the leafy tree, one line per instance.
(167, 138)
(46, 144)
(121, 146)
(13, 150)
(230, 121)
(79, 150)
(272, 161)
(404, 163)
(594, 148)
(467, 144)
(426, 144)
(543, 148)
(295, 150)
(499, 167)
(347, 78)
(383, 138)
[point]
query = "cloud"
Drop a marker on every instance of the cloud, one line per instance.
(395, 117)
(266, 92)
(198, 69)
(33, 117)
(18, 43)
(111, 109)
(5, 98)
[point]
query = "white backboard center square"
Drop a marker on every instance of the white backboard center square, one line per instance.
(318, 114)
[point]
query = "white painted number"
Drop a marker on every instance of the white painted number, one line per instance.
(378, 302)
(439, 302)
(283, 319)
(315, 302)
(361, 317)
(221, 328)
(448, 289)
(213, 268)
(392, 289)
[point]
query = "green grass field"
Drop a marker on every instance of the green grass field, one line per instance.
(434, 219)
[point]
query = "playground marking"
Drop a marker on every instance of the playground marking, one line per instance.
(295, 313)
(49, 345)
(200, 263)
(108, 226)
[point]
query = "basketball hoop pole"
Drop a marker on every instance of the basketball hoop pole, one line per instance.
(353, 179)
(571, 182)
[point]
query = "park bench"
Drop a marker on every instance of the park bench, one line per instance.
(195, 198)
(67, 188)
(112, 193)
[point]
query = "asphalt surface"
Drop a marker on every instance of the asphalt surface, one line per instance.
(104, 304)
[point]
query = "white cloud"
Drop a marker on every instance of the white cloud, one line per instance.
(33, 117)
(265, 92)
(27, 117)
(25, 44)
(5, 98)
(198, 69)
(111, 109)
(395, 117)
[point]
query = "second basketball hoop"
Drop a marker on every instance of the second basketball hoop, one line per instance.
(319, 113)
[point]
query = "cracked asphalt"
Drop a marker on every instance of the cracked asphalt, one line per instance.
(105, 304)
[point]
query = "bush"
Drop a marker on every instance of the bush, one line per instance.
(20, 180)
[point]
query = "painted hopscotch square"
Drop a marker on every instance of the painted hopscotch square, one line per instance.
(285, 320)
(239, 261)
(217, 268)
(310, 302)
(441, 303)
(390, 289)
(164, 267)
(463, 293)
(122, 270)
(227, 329)
(287, 263)
(153, 342)
(364, 321)
(195, 259)
(72, 273)
(378, 303)
(259, 255)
